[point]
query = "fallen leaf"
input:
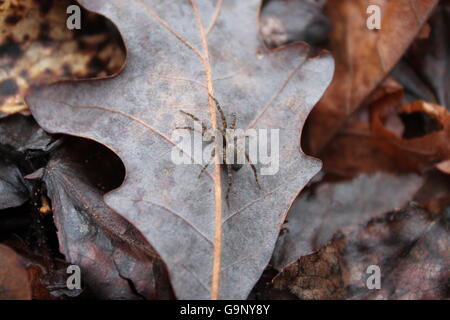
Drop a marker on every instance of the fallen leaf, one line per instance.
(284, 22)
(178, 53)
(12, 190)
(47, 279)
(21, 134)
(36, 48)
(14, 283)
(390, 136)
(426, 133)
(318, 276)
(410, 246)
(434, 195)
(115, 260)
(114, 265)
(363, 58)
(425, 71)
(318, 214)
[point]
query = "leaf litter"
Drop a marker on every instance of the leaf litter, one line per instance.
(381, 199)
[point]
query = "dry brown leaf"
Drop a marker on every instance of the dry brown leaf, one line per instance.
(363, 58)
(14, 282)
(411, 248)
(36, 48)
(389, 136)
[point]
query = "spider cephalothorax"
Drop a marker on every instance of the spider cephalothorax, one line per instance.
(229, 145)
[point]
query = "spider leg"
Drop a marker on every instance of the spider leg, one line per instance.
(253, 168)
(229, 169)
(185, 128)
(213, 154)
(230, 182)
(187, 114)
(190, 115)
(242, 136)
(222, 115)
(245, 135)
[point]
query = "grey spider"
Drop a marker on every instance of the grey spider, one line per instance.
(207, 136)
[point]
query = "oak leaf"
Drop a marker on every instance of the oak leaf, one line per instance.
(180, 55)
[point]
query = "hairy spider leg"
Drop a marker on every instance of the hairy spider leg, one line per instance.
(222, 115)
(229, 169)
(204, 128)
(251, 164)
(190, 115)
(213, 154)
(230, 182)
(245, 135)
(253, 168)
(186, 128)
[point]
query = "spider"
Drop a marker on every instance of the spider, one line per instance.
(208, 137)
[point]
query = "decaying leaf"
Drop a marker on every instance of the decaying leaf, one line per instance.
(318, 276)
(390, 136)
(319, 214)
(179, 55)
(14, 282)
(410, 246)
(19, 135)
(47, 278)
(115, 260)
(36, 48)
(363, 57)
(434, 195)
(426, 133)
(12, 190)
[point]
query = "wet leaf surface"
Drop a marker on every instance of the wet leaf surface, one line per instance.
(205, 243)
(37, 48)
